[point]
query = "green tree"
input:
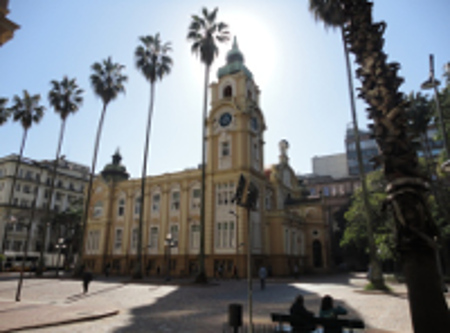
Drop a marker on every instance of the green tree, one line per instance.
(407, 188)
(108, 82)
(66, 98)
(27, 111)
(331, 14)
(154, 63)
(355, 233)
(4, 111)
(204, 33)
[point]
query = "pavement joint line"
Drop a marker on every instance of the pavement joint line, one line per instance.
(63, 322)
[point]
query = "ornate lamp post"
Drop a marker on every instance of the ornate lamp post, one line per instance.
(60, 245)
(170, 243)
(237, 241)
(432, 83)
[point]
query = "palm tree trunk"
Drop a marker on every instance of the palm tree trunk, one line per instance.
(27, 241)
(16, 171)
(416, 230)
(138, 269)
(376, 276)
(50, 197)
(89, 190)
(201, 277)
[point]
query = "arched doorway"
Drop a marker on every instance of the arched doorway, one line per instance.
(317, 254)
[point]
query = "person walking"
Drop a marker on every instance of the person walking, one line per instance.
(87, 278)
(262, 277)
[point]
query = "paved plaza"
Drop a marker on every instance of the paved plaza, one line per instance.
(115, 305)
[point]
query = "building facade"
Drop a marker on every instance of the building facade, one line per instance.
(369, 150)
(30, 197)
(288, 229)
(335, 165)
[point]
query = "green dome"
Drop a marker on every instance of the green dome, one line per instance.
(115, 171)
(235, 63)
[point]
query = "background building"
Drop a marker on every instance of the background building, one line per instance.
(288, 228)
(335, 165)
(369, 149)
(33, 185)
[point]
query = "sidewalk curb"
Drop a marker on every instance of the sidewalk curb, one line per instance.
(63, 322)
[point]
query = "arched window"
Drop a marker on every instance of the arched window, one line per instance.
(227, 91)
(121, 207)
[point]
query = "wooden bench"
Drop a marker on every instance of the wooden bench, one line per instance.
(305, 324)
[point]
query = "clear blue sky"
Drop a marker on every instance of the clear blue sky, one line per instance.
(298, 65)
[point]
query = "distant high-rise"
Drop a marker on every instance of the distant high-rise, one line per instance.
(369, 149)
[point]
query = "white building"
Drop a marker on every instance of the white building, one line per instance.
(334, 165)
(33, 184)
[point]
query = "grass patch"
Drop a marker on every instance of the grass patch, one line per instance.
(371, 287)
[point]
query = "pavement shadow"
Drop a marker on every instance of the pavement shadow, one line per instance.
(205, 309)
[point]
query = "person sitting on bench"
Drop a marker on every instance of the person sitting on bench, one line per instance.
(304, 323)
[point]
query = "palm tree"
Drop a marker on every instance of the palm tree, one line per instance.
(330, 13)
(65, 98)
(27, 111)
(416, 232)
(154, 63)
(4, 112)
(203, 33)
(107, 81)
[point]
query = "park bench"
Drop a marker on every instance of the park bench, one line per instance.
(306, 325)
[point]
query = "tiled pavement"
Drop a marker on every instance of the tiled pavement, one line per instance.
(154, 306)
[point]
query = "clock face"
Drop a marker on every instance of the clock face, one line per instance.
(225, 119)
(254, 123)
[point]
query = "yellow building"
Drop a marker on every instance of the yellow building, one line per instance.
(289, 230)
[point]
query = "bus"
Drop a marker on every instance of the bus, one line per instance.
(13, 261)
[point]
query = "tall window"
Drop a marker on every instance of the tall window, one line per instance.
(137, 206)
(225, 148)
(225, 235)
(156, 200)
(225, 192)
(174, 232)
(175, 205)
(195, 236)
(195, 198)
(287, 243)
(93, 241)
(118, 239)
(121, 207)
(98, 209)
(134, 239)
(154, 238)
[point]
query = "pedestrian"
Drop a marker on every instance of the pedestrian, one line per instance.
(87, 278)
(235, 274)
(158, 270)
(328, 310)
(262, 277)
(303, 317)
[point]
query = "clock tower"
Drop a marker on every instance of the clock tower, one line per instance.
(235, 122)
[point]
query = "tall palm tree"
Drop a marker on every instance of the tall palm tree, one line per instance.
(4, 111)
(65, 98)
(407, 188)
(27, 111)
(108, 81)
(330, 13)
(154, 63)
(203, 33)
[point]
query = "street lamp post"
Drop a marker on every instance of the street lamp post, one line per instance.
(432, 83)
(60, 245)
(237, 241)
(170, 242)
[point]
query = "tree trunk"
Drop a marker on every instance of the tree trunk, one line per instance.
(376, 276)
(201, 277)
(138, 269)
(407, 188)
(89, 190)
(40, 270)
